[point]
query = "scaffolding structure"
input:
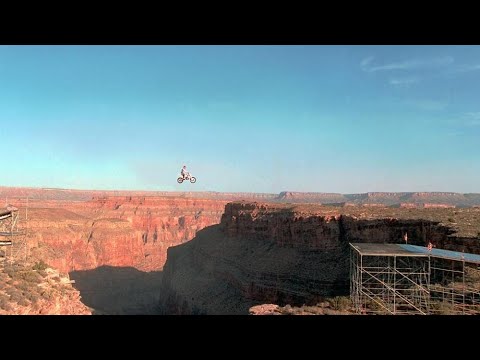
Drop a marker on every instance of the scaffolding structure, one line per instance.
(407, 279)
(13, 234)
(454, 286)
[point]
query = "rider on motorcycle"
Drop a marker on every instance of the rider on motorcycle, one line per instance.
(184, 172)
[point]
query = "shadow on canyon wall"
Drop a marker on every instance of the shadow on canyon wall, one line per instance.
(281, 259)
(222, 275)
(299, 261)
(119, 290)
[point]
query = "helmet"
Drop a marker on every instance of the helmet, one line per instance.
(184, 166)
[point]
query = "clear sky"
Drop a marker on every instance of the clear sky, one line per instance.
(342, 119)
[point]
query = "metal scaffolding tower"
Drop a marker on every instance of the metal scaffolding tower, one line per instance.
(13, 234)
(408, 279)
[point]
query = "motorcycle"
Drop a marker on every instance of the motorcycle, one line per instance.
(188, 177)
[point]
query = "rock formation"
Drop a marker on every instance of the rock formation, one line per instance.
(27, 290)
(242, 253)
(269, 253)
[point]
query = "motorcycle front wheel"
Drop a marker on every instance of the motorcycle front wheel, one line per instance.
(193, 179)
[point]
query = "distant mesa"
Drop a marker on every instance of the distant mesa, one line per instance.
(391, 199)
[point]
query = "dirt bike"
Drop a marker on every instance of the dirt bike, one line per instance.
(188, 177)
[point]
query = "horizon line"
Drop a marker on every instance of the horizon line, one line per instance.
(235, 192)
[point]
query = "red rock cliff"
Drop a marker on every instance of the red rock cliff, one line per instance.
(117, 231)
(267, 253)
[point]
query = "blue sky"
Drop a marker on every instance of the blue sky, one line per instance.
(342, 119)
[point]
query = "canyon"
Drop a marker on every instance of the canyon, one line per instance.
(416, 199)
(222, 253)
(266, 253)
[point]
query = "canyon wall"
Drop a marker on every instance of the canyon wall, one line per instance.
(116, 231)
(265, 253)
(113, 247)
(242, 253)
